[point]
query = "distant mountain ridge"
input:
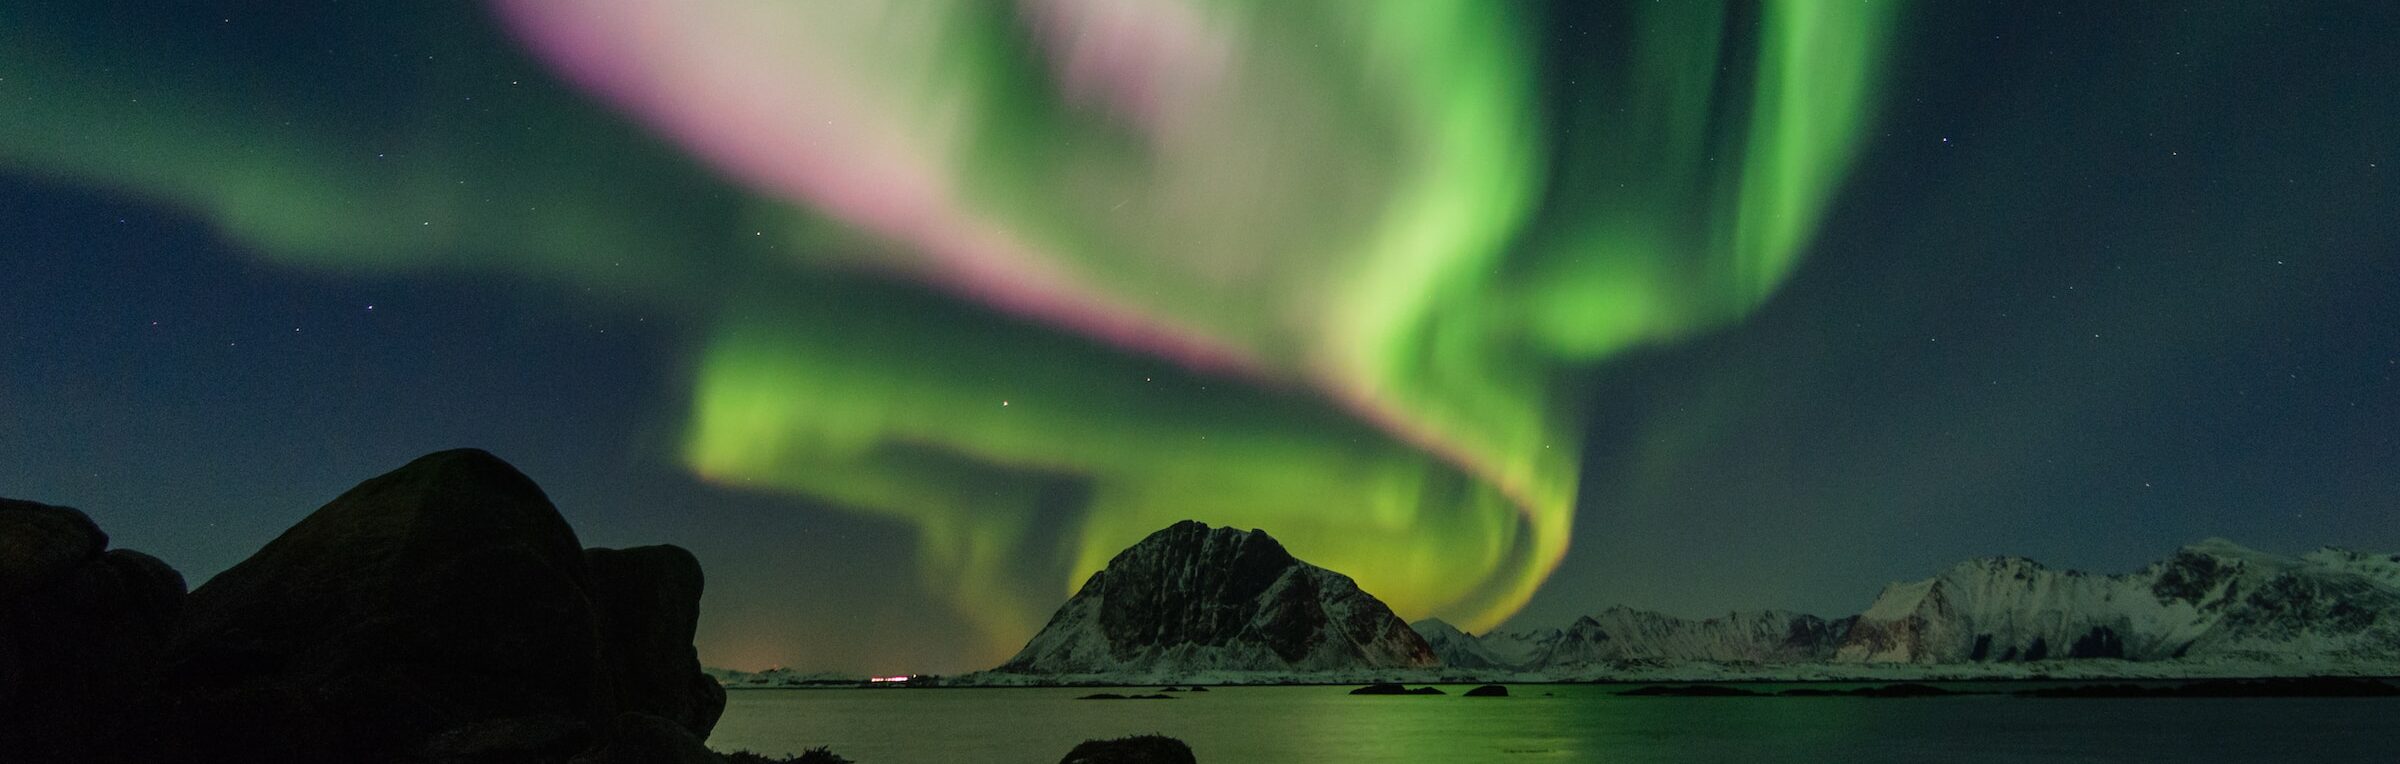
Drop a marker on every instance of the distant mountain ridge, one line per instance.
(1772, 636)
(1193, 599)
(1622, 635)
(1198, 604)
(2213, 600)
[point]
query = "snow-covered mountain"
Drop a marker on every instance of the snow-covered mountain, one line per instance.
(783, 677)
(2212, 603)
(1458, 649)
(1221, 605)
(1521, 648)
(2213, 599)
(1192, 599)
(1622, 635)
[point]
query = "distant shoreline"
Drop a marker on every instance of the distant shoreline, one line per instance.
(2395, 678)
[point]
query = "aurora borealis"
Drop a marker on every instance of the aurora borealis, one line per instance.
(1459, 299)
(1325, 198)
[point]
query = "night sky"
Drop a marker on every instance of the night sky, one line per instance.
(905, 320)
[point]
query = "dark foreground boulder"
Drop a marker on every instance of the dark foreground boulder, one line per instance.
(1488, 691)
(525, 738)
(442, 612)
(39, 543)
(83, 633)
(637, 738)
(448, 592)
(1139, 749)
(649, 604)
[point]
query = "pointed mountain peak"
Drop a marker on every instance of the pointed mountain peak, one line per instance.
(1195, 535)
(1192, 598)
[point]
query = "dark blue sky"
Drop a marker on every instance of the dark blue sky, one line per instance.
(2112, 280)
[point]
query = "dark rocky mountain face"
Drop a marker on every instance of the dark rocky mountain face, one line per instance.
(1172, 588)
(443, 612)
(1817, 637)
(1191, 597)
(2189, 576)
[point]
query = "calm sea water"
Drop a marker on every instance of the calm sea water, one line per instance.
(1554, 723)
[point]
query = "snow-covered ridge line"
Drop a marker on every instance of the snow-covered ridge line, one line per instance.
(2210, 604)
(1709, 671)
(1196, 605)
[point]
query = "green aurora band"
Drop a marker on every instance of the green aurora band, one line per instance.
(1327, 269)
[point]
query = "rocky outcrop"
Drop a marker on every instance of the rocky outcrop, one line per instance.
(648, 600)
(1385, 688)
(444, 593)
(443, 612)
(1191, 599)
(39, 543)
(83, 631)
(1139, 749)
(637, 738)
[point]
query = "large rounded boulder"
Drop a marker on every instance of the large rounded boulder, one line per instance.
(649, 603)
(446, 593)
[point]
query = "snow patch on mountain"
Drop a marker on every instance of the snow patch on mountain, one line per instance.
(1456, 649)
